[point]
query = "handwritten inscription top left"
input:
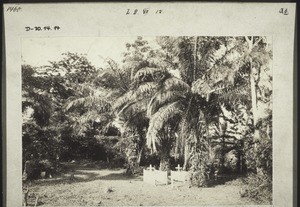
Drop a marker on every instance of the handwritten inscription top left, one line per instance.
(45, 28)
(13, 9)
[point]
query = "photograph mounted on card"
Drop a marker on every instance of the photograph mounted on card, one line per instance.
(131, 104)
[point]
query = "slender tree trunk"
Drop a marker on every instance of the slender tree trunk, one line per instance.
(131, 74)
(25, 197)
(195, 59)
(139, 158)
(177, 143)
(186, 156)
(140, 147)
(255, 113)
(254, 102)
(252, 82)
(251, 45)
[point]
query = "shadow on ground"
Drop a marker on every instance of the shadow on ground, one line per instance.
(224, 179)
(81, 173)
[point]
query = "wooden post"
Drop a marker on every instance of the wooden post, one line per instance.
(25, 196)
(36, 201)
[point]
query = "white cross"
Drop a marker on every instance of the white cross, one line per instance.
(178, 168)
(150, 168)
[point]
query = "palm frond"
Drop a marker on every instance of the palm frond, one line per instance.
(201, 87)
(113, 79)
(146, 90)
(176, 84)
(235, 94)
(123, 100)
(89, 102)
(147, 71)
(216, 51)
(143, 92)
(159, 120)
(162, 98)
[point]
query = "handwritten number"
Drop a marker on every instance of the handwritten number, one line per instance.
(47, 28)
(144, 11)
(38, 28)
(283, 11)
(13, 9)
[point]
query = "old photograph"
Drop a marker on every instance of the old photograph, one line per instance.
(147, 120)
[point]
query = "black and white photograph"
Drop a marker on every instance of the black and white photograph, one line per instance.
(147, 120)
(149, 104)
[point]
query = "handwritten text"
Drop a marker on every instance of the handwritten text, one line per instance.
(45, 28)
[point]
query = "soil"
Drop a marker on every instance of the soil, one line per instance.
(84, 185)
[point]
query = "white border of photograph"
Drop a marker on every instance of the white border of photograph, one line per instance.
(176, 19)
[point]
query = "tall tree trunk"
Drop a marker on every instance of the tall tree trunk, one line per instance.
(254, 102)
(166, 147)
(251, 45)
(195, 59)
(140, 147)
(165, 160)
(186, 156)
(139, 157)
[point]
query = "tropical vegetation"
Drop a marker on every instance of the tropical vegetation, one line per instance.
(202, 102)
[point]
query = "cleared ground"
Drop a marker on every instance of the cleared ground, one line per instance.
(93, 186)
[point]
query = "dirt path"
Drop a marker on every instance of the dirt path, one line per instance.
(103, 187)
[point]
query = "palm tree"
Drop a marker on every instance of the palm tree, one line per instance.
(211, 72)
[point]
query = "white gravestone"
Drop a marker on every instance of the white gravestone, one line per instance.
(179, 176)
(155, 177)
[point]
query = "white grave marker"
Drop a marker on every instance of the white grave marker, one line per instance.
(178, 168)
(155, 177)
(179, 176)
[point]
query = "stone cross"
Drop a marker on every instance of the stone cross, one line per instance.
(150, 168)
(178, 168)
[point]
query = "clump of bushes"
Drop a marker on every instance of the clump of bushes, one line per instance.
(34, 167)
(202, 169)
(258, 187)
(258, 184)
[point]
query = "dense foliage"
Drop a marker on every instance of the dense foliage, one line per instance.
(202, 102)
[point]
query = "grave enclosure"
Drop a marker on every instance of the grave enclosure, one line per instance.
(157, 177)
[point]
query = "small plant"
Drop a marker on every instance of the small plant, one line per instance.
(199, 179)
(258, 187)
(108, 189)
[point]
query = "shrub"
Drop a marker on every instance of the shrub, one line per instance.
(202, 170)
(199, 179)
(258, 187)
